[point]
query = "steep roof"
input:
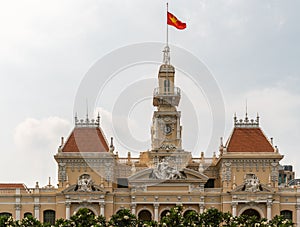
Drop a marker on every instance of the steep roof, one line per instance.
(12, 186)
(248, 140)
(86, 139)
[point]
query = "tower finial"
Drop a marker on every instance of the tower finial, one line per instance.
(76, 118)
(166, 52)
(246, 109)
(235, 119)
(111, 147)
(87, 110)
(98, 119)
(246, 115)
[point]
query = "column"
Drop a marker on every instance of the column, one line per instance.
(156, 205)
(269, 210)
(37, 211)
(18, 204)
(201, 205)
(298, 215)
(133, 209)
(37, 207)
(68, 210)
(18, 211)
(234, 205)
(102, 208)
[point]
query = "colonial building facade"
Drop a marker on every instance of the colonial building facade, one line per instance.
(243, 178)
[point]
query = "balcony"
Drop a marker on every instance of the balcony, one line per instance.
(171, 97)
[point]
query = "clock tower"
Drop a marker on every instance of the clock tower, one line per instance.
(166, 129)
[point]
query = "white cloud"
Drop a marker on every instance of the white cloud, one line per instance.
(277, 107)
(36, 142)
(130, 133)
(37, 134)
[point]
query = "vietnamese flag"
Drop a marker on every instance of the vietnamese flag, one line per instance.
(172, 20)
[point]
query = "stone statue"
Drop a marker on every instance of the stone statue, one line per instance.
(252, 183)
(164, 171)
(84, 184)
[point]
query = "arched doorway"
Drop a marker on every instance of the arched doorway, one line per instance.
(252, 212)
(28, 214)
(164, 213)
(187, 212)
(145, 215)
(6, 214)
(92, 212)
(88, 208)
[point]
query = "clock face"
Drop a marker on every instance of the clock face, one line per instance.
(167, 129)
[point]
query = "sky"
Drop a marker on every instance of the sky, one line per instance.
(47, 48)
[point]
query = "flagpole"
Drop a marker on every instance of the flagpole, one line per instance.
(167, 49)
(167, 25)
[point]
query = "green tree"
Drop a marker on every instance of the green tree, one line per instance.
(83, 218)
(212, 217)
(174, 217)
(192, 219)
(6, 220)
(28, 221)
(123, 218)
(63, 223)
(281, 222)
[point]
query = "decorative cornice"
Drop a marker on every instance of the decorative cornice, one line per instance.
(87, 122)
(246, 123)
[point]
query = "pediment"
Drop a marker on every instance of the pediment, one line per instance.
(186, 175)
(261, 188)
(74, 189)
(252, 185)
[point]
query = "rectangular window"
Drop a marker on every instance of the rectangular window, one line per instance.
(122, 182)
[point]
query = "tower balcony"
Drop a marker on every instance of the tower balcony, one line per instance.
(170, 97)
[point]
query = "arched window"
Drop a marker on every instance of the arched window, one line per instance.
(119, 211)
(49, 217)
(164, 213)
(145, 215)
(93, 213)
(27, 214)
(167, 86)
(252, 212)
(287, 214)
(5, 214)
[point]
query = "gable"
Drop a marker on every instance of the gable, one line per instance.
(146, 176)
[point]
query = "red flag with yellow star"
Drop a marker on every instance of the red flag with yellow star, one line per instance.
(173, 21)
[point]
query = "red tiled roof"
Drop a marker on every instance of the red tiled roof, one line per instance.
(248, 140)
(86, 139)
(12, 185)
